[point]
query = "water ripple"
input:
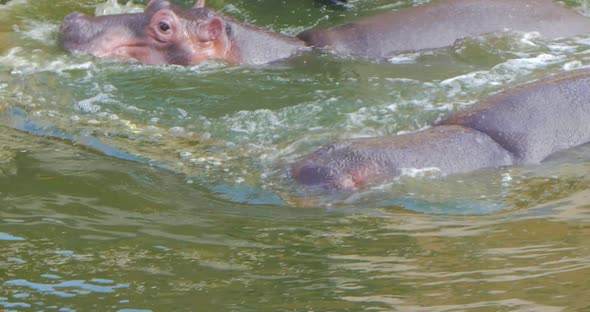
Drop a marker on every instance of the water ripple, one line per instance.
(77, 287)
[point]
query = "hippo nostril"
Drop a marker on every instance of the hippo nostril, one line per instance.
(311, 174)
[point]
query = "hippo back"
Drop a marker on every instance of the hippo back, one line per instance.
(536, 119)
(441, 23)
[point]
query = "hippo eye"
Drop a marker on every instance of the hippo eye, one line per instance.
(164, 27)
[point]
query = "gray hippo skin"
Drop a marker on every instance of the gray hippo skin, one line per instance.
(440, 24)
(167, 34)
(519, 126)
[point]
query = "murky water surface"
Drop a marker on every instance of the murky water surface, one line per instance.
(126, 187)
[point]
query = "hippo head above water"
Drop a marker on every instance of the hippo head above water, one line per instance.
(167, 34)
(159, 35)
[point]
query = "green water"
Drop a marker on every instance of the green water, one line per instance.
(141, 188)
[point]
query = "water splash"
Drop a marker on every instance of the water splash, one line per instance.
(111, 7)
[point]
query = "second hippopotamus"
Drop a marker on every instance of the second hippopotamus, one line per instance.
(520, 126)
(167, 34)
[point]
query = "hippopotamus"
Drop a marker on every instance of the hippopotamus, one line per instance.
(167, 34)
(441, 23)
(519, 126)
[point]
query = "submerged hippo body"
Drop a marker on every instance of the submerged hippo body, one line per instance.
(167, 34)
(440, 24)
(520, 126)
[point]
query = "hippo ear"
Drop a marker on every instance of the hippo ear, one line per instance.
(212, 29)
(155, 5)
(199, 4)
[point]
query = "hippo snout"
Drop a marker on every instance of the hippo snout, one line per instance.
(319, 168)
(76, 32)
(308, 173)
(331, 176)
(336, 166)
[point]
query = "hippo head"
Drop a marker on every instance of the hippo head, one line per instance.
(343, 166)
(162, 34)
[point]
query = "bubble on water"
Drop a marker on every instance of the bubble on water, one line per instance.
(177, 132)
(92, 105)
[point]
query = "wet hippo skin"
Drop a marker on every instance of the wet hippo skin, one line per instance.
(520, 126)
(441, 23)
(167, 34)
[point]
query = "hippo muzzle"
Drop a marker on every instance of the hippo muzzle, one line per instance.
(78, 33)
(103, 36)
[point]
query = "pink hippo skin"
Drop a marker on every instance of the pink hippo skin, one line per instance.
(520, 126)
(167, 34)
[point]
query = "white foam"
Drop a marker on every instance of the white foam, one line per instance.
(529, 37)
(420, 172)
(500, 74)
(111, 7)
(542, 60)
(39, 31)
(562, 48)
(23, 62)
(92, 105)
(572, 65)
(506, 179)
(408, 58)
